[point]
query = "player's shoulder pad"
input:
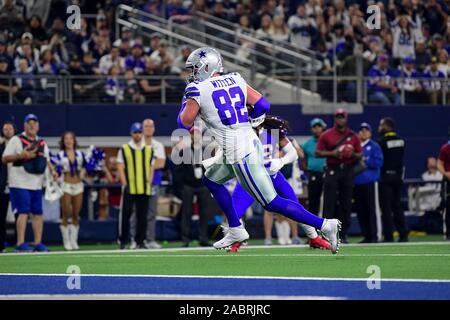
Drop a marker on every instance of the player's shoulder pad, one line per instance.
(192, 90)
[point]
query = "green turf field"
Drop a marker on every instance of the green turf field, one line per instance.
(426, 260)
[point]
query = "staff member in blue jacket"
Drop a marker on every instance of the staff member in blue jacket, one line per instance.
(365, 191)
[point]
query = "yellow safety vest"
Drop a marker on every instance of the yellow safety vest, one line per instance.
(137, 168)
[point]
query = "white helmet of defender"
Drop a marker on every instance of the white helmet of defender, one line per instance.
(257, 121)
(204, 62)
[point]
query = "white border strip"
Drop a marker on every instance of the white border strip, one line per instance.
(220, 277)
(428, 243)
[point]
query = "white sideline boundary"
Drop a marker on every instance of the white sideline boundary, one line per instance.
(221, 277)
(249, 247)
(158, 297)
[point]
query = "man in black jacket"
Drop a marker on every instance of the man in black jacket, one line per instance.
(391, 181)
(188, 182)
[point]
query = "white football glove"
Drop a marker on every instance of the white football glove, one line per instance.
(275, 164)
(209, 162)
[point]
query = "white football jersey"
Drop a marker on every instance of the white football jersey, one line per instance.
(222, 102)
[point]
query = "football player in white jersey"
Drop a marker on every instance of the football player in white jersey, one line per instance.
(220, 100)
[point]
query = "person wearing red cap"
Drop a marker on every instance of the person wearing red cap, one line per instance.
(342, 148)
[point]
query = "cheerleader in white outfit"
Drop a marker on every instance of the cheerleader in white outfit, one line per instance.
(72, 163)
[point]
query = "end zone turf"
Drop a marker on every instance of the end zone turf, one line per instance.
(407, 271)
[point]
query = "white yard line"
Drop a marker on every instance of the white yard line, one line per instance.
(158, 297)
(115, 251)
(218, 277)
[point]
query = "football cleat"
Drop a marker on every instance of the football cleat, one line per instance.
(319, 243)
(330, 231)
(234, 235)
(234, 247)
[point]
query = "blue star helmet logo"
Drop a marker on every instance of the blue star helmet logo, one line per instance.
(202, 54)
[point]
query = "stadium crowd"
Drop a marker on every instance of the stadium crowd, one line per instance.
(413, 44)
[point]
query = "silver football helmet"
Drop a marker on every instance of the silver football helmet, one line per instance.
(204, 62)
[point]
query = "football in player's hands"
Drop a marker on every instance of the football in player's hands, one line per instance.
(346, 151)
(250, 109)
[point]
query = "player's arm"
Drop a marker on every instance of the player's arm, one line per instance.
(188, 113)
(290, 155)
(259, 102)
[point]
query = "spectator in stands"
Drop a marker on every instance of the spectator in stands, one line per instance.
(26, 83)
(89, 64)
(391, 181)
(161, 60)
(180, 60)
(381, 84)
(410, 82)
(29, 156)
(444, 168)
(263, 32)
(114, 87)
(151, 87)
(111, 59)
(278, 31)
(72, 163)
(155, 38)
(433, 82)
(59, 48)
(132, 89)
(135, 178)
(136, 60)
(48, 65)
(423, 58)
(59, 28)
(188, 178)
(444, 65)
(364, 194)
(37, 29)
(7, 86)
(406, 32)
(8, 131)
(342, 148)
(244, 29)
(176, 9)
(434, 16)
(303, 28)
(39, 9)
(12, 17)
(27, 52)
(315, 165)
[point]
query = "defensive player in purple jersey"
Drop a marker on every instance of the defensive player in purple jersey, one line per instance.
(273, 135)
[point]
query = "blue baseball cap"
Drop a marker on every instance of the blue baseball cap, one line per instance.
(365, 125)
(29, 117)
(317, 121)
(408, 59)
(136, 127)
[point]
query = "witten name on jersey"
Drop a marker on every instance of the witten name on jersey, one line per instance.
(222, 100)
